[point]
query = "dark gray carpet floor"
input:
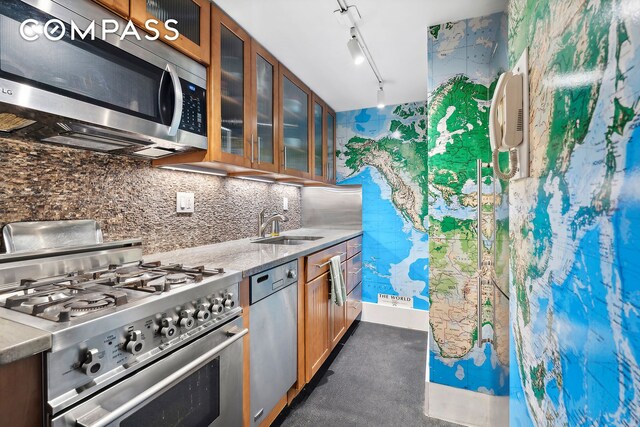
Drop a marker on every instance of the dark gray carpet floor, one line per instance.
(376, 379)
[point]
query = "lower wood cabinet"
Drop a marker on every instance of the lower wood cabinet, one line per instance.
(354, 304)
(316, 324)
(325, 323)
(21, 392)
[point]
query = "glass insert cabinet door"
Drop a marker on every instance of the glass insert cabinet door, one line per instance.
(295, 126)
(232, 88)
(318, 140)
(193, 22)
(264, 93)
(231, 67)
(331, 148)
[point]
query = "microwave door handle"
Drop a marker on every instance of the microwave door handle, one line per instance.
(178, 98)
(162, 385)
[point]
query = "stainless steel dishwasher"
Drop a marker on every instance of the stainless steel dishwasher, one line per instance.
(273, 340)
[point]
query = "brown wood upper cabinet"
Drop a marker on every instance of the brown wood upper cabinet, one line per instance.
(265, 95)
(263, 120)
(319, 140)
(295, 122)
(245, 85)
(324, 141)
(193, 22)
(229, 76)
(120, 7)
(331, 146)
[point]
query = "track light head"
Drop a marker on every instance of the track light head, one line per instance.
(354, 48)
(381, 102)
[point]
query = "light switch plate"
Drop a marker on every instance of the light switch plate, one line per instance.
(285, 203)
(185, 202)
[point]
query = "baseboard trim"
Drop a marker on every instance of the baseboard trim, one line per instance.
(400, 317)
(465, 407)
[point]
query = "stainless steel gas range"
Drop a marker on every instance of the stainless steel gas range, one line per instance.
(133, 343)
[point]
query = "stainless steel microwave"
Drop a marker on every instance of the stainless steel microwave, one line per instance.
(113, 93)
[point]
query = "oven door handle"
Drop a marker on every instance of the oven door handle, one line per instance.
(161, 386)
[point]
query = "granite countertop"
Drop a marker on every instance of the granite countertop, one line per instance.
(18, 341)
(251, 258)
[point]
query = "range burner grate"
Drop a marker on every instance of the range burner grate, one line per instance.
(76, 294)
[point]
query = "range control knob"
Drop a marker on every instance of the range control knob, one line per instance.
(217, 306)
(167, 328)
(135, 343)
(202, 312)
(91, 365)
(186, 319)
(292, 274)
(229, 303)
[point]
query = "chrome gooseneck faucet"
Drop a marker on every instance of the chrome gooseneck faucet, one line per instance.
(274, 220)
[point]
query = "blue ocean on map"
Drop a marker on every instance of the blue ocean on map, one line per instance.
(383, 248)
(518, 412)
(476, 378)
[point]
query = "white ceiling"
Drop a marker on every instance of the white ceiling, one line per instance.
(305, 36)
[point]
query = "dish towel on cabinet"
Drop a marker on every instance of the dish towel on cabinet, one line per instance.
(338, 287)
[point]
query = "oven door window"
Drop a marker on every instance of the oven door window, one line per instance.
(195, 401)
(88, 70)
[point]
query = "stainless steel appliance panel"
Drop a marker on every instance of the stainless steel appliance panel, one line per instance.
(213, 397)
(332, 207)
(270, 281)
(116, 361)
(36, 235)
(273, 345)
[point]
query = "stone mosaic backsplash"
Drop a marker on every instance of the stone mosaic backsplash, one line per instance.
(131, 199)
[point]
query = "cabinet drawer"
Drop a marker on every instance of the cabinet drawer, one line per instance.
(354, 304)
(354, 271)
(318, 263)
(354, 246)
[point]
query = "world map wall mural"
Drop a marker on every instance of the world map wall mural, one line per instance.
(469, 345)
(576, 307)
(384, 150)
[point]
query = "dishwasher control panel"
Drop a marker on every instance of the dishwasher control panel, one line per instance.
(270, 281)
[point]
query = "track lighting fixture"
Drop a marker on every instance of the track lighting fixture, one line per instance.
(354, 48)
(349, 16)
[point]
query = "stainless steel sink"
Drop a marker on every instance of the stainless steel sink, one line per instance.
(287, 240)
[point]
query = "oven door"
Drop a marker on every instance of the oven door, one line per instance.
(198, 385)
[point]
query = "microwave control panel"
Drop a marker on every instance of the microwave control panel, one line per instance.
(194, 108)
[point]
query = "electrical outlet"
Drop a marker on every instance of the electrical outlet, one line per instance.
(185, 202)
(285, 203)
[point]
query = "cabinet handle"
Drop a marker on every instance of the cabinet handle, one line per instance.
(252, 148)
(285, 157)
(259, 149)
(326, 263)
